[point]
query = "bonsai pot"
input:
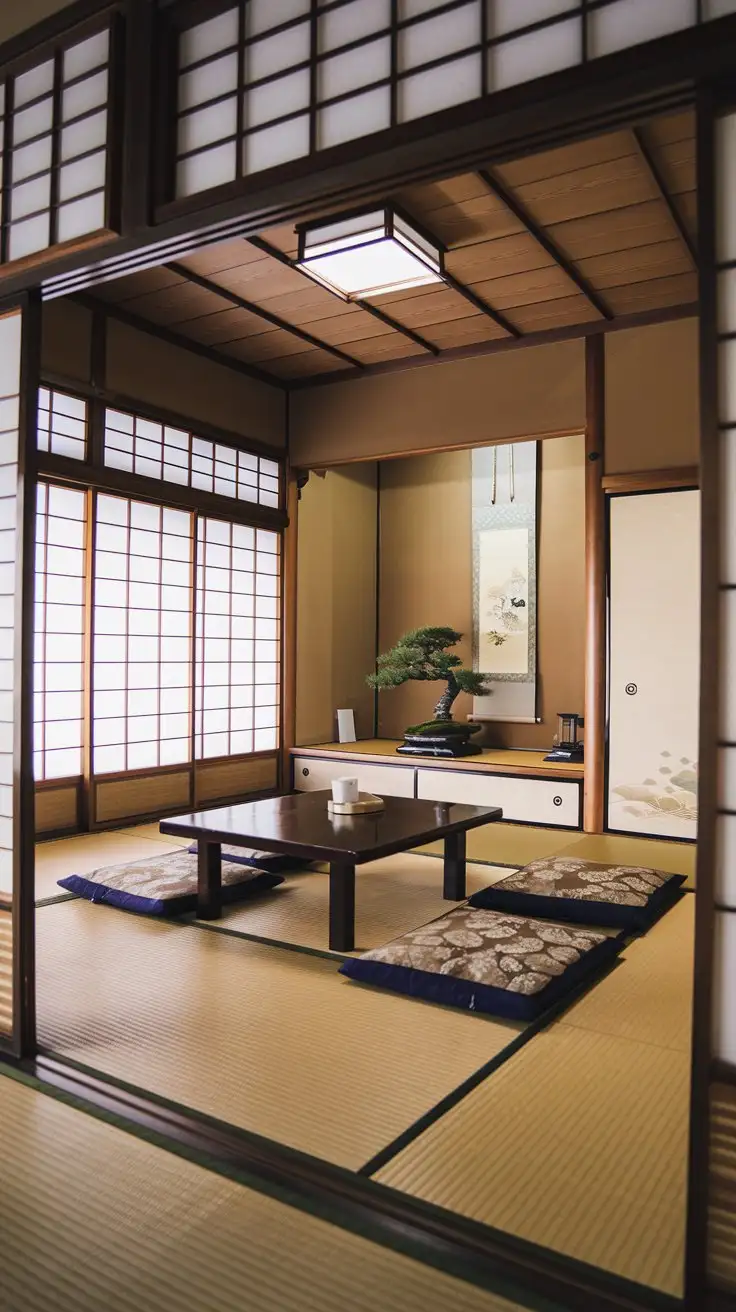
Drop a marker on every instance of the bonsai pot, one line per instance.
(440, 738)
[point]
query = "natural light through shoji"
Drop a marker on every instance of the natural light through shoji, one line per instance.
(142, 649)
(58, 713)
(10, 351)
(237, 672)
(62, 424)
(725, 945)
(269, 81)
(143, 446)
(55, 142)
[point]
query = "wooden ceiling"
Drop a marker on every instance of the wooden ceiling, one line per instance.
(599, 230)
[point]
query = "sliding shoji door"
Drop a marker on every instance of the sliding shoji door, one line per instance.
(19, 351)
(654, 663)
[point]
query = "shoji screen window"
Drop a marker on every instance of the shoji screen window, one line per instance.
(61, 526)
(142, 650)
(62, 424)
(237, 639)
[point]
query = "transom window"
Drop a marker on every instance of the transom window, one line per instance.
(62, 424)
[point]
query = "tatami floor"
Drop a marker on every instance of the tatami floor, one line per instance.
(574, 1138)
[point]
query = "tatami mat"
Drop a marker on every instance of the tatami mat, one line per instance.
(510, 845)
(648, 996)
(583, 1143)
(94, 1218)
(676, 858)
(391, 896)
(85, 852)
(273, 1041)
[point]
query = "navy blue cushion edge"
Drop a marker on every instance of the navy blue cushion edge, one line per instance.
(175, 906)
(452, 991)
(611, 915)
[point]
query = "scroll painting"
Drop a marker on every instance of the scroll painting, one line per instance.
(504, 508)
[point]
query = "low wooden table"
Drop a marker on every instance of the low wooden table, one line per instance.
(300, 826)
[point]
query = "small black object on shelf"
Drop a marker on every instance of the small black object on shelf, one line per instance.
(569, 747)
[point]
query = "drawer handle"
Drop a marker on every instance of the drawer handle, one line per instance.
(557, 801)
(305, 771)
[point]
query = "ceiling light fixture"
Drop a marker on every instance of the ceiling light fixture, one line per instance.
(369, 253)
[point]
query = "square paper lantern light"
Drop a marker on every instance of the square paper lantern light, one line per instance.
(370, 253)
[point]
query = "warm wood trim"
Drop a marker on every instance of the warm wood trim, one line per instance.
(652, 480)
(595, 587)
(472, 764)
(520, 212)
(288, 630)
(696, 1241)
(479, 303)
(339, 461)
(657, 181)
(274, 320)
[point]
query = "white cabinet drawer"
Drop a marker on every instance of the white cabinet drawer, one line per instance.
(533, 801)
(314, 772)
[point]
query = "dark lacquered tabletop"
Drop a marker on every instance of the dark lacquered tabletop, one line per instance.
(300, 825)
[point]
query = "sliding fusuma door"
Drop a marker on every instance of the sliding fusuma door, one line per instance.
(19, 340)
(654, 663)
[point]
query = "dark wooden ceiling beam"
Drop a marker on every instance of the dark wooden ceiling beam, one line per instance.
(276, 322)
(655, 177)
(520, 212)
(261, 244)
(114, 311)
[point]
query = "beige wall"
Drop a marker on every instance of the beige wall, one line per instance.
(426, 578)
(336, 602)
(143, 368)
(512, 394)
(18, 15)
(652, 419)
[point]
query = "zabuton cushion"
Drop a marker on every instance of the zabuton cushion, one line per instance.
(250, 856)
(487, 961)
(164, 885)
(576, 890)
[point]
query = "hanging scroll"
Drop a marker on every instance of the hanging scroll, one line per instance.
(504, 508)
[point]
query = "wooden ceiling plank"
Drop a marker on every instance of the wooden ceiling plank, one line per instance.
(541, 316)
(588, 191)
(655, 177)
(626, 264)
(624, 229)
(299, 333)
(681, 289)
(577, 156)
(524, 215)
(667, 128)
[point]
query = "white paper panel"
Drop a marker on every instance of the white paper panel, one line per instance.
(283, 96)
(726, 860)
(629, 22)
(728, 506)
(209, 38)
(29, 236)
(507, 15)
(412, 8)
(726, 187)
(30, 197)
(32, 159)
(208, 82)
(33, 121)
(727, 718)
(438, 88)
(36, 82)
(727, 301)
(81, 216)
(352, 21)
(207, 125)
(211, 168)
(724, 991)
(354, 68)
(727, 778)
(87, 134)
(275, 54)
(434, 38)
(84, 96)
(654, 663)
(86, 55)
(263, 150)
(727, 381)
(352, 118)
(536, 54)
(85, 175)
(261, 15)
(718, 8)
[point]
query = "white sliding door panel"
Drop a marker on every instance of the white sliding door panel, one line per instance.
(654, 663)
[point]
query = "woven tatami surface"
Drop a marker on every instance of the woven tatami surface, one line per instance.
(583, 1134)
(391, 897)
(85, 852)
(92, 1218)
(271, 1040)
(6, 971)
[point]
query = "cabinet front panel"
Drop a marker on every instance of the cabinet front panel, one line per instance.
(530, 801)
(312, 773)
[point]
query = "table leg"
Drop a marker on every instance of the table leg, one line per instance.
(209, 880)
(454, 883)
(342, 907)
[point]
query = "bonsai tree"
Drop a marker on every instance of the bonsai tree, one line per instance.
(423, 655)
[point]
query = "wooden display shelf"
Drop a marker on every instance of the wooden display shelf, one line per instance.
(531, 765)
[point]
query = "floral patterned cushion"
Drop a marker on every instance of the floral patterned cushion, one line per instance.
(251, 856)
(487, 961)
(164, 886)
(585, 892)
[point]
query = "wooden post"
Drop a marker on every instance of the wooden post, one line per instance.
(595, 586)
(288, 656)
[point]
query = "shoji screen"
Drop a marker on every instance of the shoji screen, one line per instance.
(18, 357)
(270, 81)
(654, 663)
